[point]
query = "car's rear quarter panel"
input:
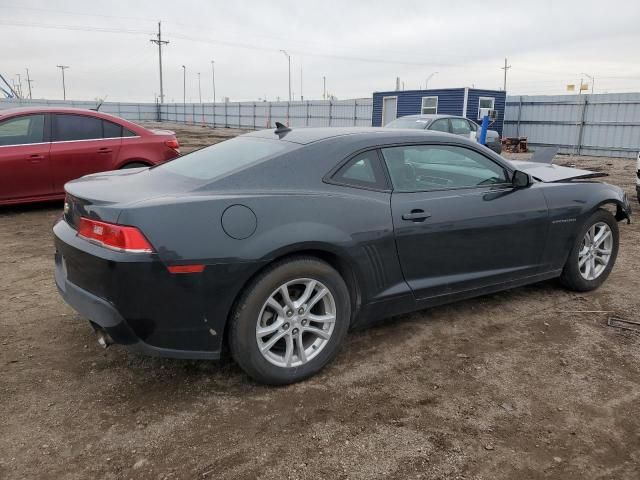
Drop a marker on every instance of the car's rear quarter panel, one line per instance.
(149, 149)
(352, 224)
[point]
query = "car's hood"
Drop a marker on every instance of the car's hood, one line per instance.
(553, 173)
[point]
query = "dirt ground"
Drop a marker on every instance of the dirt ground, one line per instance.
(530, 383)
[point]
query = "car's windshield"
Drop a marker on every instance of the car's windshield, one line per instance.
(225, 157)
(417, 123)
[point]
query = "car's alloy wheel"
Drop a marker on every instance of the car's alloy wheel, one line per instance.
(290, 320)
(296, 322)
(595, 252)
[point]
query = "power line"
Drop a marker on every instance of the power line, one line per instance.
(74, 27)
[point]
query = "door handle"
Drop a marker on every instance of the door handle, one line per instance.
(416, 215)
(104, 150)
(35, 158)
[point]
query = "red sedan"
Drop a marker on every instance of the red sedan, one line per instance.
(41, 149)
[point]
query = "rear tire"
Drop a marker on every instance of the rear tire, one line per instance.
(596, 243)
(134, 165)
(278, 340)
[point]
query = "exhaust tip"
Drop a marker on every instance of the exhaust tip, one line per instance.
(104, 340)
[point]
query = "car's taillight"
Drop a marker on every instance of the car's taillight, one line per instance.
(116, 237)
(173, 144)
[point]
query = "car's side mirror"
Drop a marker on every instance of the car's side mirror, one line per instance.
(521, 179)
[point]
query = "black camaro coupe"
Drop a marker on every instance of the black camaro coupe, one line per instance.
(275, 243)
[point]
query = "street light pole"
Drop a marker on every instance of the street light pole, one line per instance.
(184, 92)
(426, 82)
(64, 88)
(199, 89)
(324, 87)
(213, 80)
(289, 60)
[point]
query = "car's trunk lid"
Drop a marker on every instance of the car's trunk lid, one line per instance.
(159, 131)
(102, 196)
(554, 173)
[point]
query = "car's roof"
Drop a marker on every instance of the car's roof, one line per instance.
(306, 135)
(53, 109)
(82, 111)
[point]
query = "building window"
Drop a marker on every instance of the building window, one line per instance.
(429, 105)
(486, 102)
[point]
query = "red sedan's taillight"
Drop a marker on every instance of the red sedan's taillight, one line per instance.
(116, 237)
(173, 144)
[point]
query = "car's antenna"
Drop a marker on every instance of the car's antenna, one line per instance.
(281, 129)
(97, 108)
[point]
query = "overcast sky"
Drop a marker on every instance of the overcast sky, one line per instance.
(360, 46)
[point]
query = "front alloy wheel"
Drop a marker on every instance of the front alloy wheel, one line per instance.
(593, 254)
(596, 251)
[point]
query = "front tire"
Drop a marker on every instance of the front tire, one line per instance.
(290, 321)
(593, 254)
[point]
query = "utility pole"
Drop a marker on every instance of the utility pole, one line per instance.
(301, 96)
(160, 42)
(593, 81)
(324, 87)
(64, 88)
(199, 88)
(19, 84)
(289, 60)
(213, 79)
(29, 81)
(505, 68)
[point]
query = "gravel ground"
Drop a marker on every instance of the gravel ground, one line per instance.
(529, 383)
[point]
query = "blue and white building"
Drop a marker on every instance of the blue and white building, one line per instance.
(465, 102)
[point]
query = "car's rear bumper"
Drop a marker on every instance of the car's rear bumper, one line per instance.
(135, 300)
(105, 317)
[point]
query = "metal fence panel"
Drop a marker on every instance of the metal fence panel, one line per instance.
(249, 115)
(601, 124)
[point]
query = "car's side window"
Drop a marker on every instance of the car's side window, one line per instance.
(22, 130)
(473, 126)
(363, 170)
(111, 130)
(436, 167)
(128, 133)
(76, 127)
(460, 126)
(441, 125)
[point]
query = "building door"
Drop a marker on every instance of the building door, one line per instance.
(389, 109)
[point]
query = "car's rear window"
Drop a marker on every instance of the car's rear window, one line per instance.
(417, 123)
(225, 157)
